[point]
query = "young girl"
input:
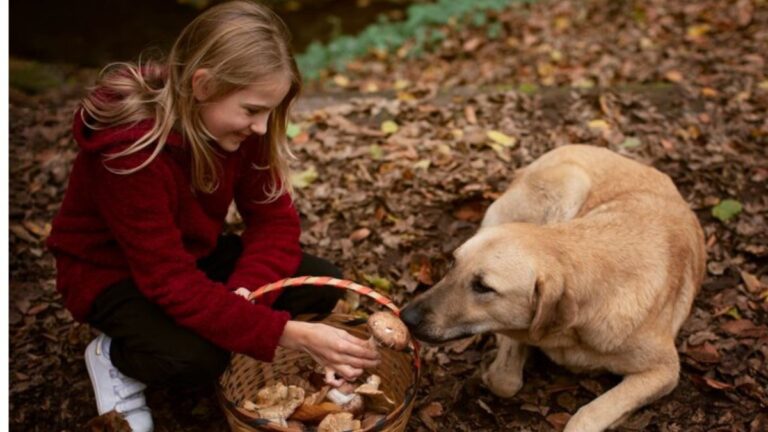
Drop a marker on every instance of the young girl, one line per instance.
(164, 151)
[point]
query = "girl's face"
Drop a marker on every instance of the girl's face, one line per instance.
(233, 118)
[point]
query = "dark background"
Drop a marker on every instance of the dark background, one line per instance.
(95, 32)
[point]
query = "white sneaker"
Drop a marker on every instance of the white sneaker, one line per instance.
(115, 391)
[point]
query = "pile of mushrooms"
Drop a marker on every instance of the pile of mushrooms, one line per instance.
(346, 407)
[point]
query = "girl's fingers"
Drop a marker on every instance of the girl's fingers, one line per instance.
(331, 379)
(358, 362)
(348, 373)
(362, 350)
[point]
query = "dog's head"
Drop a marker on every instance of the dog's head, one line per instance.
(503, 279)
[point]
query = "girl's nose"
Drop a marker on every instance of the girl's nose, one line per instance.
(259, 126)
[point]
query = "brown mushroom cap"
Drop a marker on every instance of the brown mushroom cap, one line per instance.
(338, 422)
(389, 330)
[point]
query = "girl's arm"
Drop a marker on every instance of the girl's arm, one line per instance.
(139, 210)
(271, 248)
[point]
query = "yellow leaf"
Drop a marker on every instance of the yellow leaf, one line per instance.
(341, 80)
(377, 152)
(389, 127)
(405, 96)
(422, 164)
(402, 84)
(598, 124)
(304, 178)
(562, 23)
(698, 30)
(500, 138)
(501, 151)
(370, 87)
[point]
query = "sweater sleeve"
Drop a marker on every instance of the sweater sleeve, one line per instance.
(138, 208)
(271, 249)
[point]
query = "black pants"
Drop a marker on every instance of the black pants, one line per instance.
(149, 346)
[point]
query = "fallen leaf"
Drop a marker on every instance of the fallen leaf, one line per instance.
(744, 328)
(469, 114)
(704, 353)
(558, 420)
(304, 178)
(109, 422)
(716, 384)
(341, 81)
(598, 124)
(378, 283)
(389, 127)
(501, 138)
(752, 283)
(674, 76)
(292, 130)
(630, 142)
(360, 234)
(726, 209)
(426, 414)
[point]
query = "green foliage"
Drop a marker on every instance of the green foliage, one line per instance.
(421, 27)
(726, 209)
(32, 77)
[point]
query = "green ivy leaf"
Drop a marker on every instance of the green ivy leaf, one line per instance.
(726, 209)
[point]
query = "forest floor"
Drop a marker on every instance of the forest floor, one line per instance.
(395, 166)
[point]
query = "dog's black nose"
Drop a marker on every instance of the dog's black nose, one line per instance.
(412, 315)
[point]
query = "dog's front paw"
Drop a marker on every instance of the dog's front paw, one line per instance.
(502, 384)
(584, 421)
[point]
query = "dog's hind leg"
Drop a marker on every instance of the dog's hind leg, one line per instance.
(634, 391)
(541, 195)
(504, 377)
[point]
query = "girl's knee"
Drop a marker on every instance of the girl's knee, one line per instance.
(199, 364)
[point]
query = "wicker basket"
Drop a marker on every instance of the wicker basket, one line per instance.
(399, 371)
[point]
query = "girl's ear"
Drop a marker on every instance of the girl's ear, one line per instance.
(200, 82)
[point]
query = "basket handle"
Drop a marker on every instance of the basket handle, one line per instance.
(327, 281)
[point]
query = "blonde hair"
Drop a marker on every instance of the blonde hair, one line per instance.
(239, 43)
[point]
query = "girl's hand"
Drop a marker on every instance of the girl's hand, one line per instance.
(243, 292)
(336, 350)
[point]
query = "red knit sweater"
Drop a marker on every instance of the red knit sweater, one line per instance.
(151, 226)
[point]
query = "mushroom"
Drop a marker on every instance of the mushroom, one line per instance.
(388, 330)
(346, 397)
(313, 409)
(276, 403)
(375, 399)
(338, 422)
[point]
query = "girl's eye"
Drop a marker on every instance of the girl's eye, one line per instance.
(253, 112)
(479, 287)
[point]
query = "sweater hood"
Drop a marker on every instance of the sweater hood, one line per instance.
(114, 138)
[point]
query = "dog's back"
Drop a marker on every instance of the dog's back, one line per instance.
(632, 215)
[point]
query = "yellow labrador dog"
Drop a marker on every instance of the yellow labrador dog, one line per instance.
(591, 257)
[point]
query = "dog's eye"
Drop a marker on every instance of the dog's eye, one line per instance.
(480, 287)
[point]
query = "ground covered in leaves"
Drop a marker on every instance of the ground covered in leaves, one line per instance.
(396, 167)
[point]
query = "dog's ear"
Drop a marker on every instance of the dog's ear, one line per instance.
(555, 307)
